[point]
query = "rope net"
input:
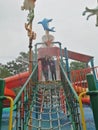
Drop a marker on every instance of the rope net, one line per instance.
(49, 108)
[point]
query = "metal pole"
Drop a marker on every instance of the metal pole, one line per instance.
(29, 5)
(67, 63)
(92, 65)
(36, 53)
(30, 56)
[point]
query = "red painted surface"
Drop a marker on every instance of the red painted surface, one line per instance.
(10, 93)
(39, 71)
(17, 80)
(14, 82)
(49, 51)
(62, 100)
(85, 99)
(55, 51)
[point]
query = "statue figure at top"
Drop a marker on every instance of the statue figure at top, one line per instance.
(28, 5)
(47, 38)
(45, 24)
(92, 12)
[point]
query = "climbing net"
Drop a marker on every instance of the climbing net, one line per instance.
(49, 108)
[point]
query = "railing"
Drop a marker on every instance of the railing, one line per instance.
(23, 102)
(71, 100)
(78, 77)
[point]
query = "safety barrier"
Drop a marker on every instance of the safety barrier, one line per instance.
(23, 102)
(71, 100)
(78, 77)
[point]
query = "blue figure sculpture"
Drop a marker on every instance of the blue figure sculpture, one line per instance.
(45, 24)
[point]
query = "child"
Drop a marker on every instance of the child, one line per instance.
(52, 68)
(45, 63)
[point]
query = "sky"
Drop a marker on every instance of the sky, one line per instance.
(72, 29)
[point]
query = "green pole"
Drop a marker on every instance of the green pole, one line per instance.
(92, 64)
(2, 84)
(93, 97)
(67, 63)
(36, 53)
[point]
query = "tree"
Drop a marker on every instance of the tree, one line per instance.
(4, 72)
(23, 60)
(20, 64)
(76, 65)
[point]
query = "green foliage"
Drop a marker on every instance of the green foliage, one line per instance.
(20, 64)
(76, 65)
(4, 72)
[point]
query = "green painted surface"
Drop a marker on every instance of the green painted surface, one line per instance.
(93, 92)
(2, 84)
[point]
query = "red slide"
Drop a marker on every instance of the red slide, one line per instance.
(14, 82)
(85, 99)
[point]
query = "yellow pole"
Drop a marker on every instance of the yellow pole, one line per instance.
(11, 112)
(82, 111)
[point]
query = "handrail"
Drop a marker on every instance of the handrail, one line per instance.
(23, 102)
(78, 77)
(22, 89)
(72, 100)
(70, 85)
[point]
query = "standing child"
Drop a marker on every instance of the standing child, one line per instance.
(52, 68)
(45, 62)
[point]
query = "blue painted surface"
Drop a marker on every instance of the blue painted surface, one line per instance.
(46, 124)
(45, 24)
(89, 118)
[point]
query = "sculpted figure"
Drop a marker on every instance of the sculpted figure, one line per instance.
(92, 12)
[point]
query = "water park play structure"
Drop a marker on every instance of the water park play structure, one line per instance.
(76, 77)
(69, 103)
(48, 100)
